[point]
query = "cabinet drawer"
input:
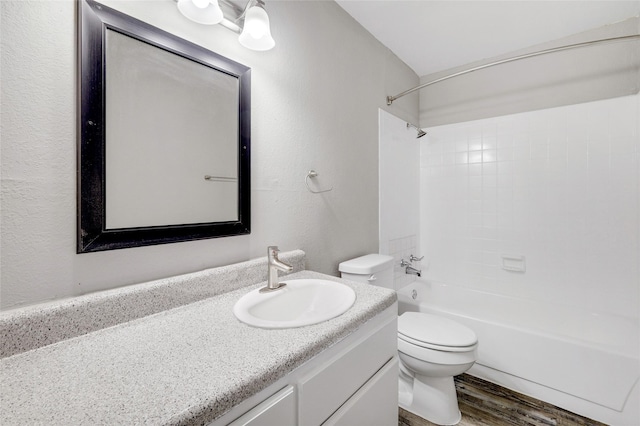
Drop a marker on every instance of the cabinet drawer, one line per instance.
(279, 409)
(325, 390)
(375, 403)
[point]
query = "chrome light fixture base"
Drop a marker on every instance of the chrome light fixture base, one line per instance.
(252, 22)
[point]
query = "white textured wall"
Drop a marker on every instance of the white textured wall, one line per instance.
(562, 78)
(560, 187)
(315, 101)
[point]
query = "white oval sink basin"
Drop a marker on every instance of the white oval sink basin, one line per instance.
(301, 302)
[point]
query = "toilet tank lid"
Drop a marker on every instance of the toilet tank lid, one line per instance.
(368, 264)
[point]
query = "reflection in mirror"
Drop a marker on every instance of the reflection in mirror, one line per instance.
(159, 107)
(164, 146)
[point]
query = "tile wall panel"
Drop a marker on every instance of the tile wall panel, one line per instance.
(559, 187)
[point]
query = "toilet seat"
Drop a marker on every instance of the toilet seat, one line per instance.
(436, 347)
(435, 332)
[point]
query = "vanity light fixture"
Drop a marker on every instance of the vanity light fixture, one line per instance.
(256, 34)
(252, 22)
(206, 12)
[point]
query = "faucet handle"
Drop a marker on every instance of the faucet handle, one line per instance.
(273, 251)
(413, 258)
(404, 263)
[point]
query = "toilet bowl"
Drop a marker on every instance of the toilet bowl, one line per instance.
(431, 349)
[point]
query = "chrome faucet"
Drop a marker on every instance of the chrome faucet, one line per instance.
(274, 265)
(413, 271)
(409, 269)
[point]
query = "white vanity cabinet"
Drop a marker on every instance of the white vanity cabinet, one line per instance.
(354, 382)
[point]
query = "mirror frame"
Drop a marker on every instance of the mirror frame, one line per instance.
(93, 21)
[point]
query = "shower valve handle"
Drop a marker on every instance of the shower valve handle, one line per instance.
(413, 258)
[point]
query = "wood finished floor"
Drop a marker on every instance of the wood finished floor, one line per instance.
(485, 404)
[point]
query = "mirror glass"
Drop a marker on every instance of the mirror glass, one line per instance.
(164, 146)
(159, 108)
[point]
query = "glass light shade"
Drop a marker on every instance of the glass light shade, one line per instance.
(256, 34)
(205, 12)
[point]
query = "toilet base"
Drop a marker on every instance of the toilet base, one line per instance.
(433, 399)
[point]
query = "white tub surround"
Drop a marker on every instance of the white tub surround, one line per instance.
(583, 361)
(399, 191)
(186, 365)
(558, 189)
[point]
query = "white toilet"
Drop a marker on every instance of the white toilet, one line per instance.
(431, 349)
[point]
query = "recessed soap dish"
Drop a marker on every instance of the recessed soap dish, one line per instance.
(514, 263)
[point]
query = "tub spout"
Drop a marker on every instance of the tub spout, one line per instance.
(413, 271)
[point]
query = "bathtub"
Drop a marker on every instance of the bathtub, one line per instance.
(584, 362)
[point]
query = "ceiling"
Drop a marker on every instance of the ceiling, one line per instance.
(435, 35)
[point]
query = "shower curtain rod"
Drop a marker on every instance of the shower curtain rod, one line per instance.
(390, 99)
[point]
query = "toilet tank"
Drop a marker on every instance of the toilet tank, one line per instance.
(376, 269)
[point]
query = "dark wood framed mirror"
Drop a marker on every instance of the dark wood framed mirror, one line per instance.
(163, 136)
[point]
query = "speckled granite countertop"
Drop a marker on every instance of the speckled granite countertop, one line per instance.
(186, 365)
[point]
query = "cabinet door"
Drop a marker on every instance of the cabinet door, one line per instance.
(375, 403)
(277, 410)
(326, 389)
